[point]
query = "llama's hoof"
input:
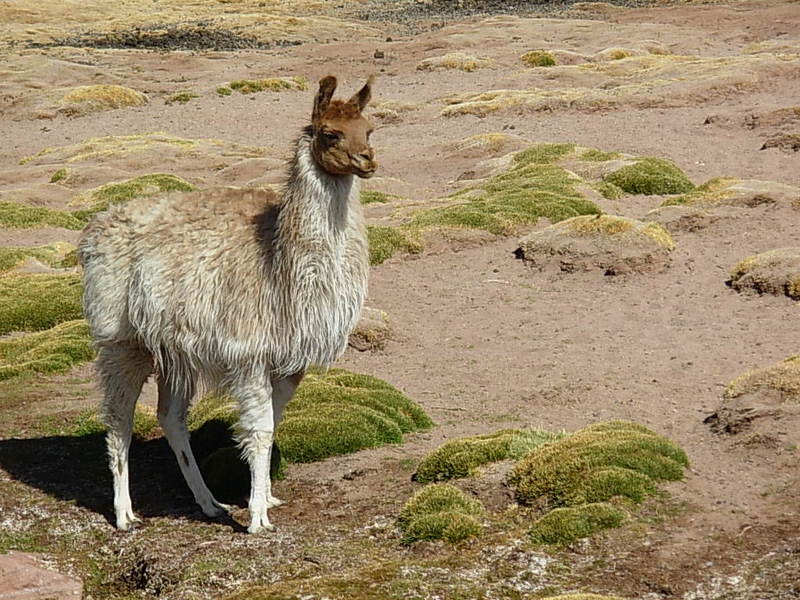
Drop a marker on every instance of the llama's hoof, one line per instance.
(128, 522)
(272, 502)
(260, 527)
(217, 510)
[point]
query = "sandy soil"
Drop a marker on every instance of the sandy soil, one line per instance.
(481, 341)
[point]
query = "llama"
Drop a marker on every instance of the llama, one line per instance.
(238, 290)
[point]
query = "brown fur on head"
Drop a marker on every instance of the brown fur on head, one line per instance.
(340, 142)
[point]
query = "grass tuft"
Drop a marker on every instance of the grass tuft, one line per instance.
(562, 526)
(181, 98)
(440, 511)
(57, 255)
(783, 376)
(14, 215)
(461, 457)
(651, 175)
(385, 242)
(36, 301)
(598, 463)
(101, 198)
(55, 350)
(60, 175)
(271, 84)
(332, 414)
(539, 58)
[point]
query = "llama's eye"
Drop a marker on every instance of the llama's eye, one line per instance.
(331, 137)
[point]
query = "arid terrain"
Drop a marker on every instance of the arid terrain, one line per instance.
(480, 339)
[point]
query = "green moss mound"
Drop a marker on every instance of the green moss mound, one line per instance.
(461, 457)
(710, 193)
(272, 84)
(336, 413)
(539, 58)
(597, 463)
(385, 242)
(373, 197)
(59, 175)
(783, 377)
(106, 195)
(543, 154)
(563, 526)
(55, 350)
(14, 215)
(651, 175)
(502, 204)
(181, 98)
(145, 423)
(58, 255)
(440, 511)
(773, 272)
(33, 302)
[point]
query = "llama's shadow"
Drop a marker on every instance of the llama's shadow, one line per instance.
(75, 469)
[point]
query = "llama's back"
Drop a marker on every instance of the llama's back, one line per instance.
(160, 271)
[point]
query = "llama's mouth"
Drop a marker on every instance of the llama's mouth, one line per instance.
(366, 173)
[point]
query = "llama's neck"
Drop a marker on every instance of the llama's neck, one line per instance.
(317, 204)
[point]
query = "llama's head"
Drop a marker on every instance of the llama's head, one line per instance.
(340, 143)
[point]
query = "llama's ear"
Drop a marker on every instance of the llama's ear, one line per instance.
(327, 86)
(362, 97)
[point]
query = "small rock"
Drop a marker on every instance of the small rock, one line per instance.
(22, 577)
(379, 54)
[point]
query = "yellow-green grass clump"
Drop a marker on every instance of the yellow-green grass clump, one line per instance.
(37, 301)
(712, 192)
(60, 175)
(181, 98)
(595, 155)
(386, 241)
(92, 98)
(331, 414)
(783, 377)
(532, 188)
(14, 215)
(57, 255)
(270, 84)
(562, 526)
(609, 191)
(651, 175)
(224, 91)
(454, 60)
(55, 350)
(101, 198)
(89, 422)
(374, 196)
(613, 225)
(597, 463)
(440, 511)
(772, 272)
(461, 457)
(539, 58)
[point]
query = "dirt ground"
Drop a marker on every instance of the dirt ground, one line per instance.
(480, 341)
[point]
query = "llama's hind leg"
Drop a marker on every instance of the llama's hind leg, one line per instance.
(282, 391)
(173, 403)
(123, 371)
(257, 426)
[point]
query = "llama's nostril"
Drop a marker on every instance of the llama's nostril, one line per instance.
(365, 156)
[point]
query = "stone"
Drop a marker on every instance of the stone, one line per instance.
(23, 577)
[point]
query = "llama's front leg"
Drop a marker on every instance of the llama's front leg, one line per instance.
(257, 426)
(123, 371)
(282, 391)
(173, 403)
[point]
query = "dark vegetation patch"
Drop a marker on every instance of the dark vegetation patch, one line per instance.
(186, 35)
(462, 456)
(440, 511)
